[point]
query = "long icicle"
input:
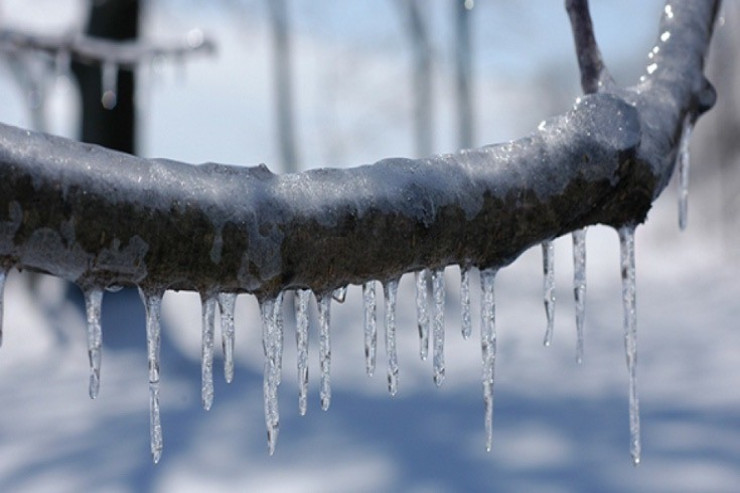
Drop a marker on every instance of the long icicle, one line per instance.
(3, 278)
(548, 284)
(152, 299)
(684, 162)
(270, 379)
(301, 336)
(93, 304)
(279, 332)
(467, 324)
(438, 325)
(324, 303)
(488, 346)
(390, 290)
(579, 287)
(370, 326)
(208, 313)
(226, 306)
(422, 311)
(627, 264)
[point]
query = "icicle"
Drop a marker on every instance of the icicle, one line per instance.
(390, 289)
(579, 287)
(3, 278)
(279, 327)
(340, 294)
(548, 267)
(683, 173)
(270, 383)
(93, 303)
(371, 331)
(324, 303)
(62, 63)
(109, 85)
(467, 325)
(422, 311)
(226, 305)
(153, 303)
(627, 257)
(301, 336)
(438, 327)
(488, 347)
(208, 311)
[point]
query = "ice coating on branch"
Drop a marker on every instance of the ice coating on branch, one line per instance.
(324, 303)
(684, 161)
(548, 287)
(270, 335)
(438, 325)
(467, 325)
(340, 294)
(488, 347)
(226, 305)
(208, 313)
(579, 287)
(153, 305)
(390, 290)
(627, 264)
(370, 326)
(422, 311)
(301, 337)
(93, 304)
(3, 278)
(109, 85)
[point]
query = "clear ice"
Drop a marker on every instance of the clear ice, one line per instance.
(3, 278)
(109, 85)
(548, 268)
(438, 325)
(371, 331)
(324, 303)
(390, 289)
(226, 305)
(301, 337)
(579, 287)
(340, 294)
(467, 325)
(153, 304)
(269, 309)
(422, 311)
(627, 264)
(208, 312)
(684, 161)
(488, 346)
(93, 303)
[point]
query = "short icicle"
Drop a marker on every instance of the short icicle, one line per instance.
(271, 373)
(467, 324)
(548, 268)
(684, 161)
(93, 304)
(301, 337)
(3, 278)
(438, 325)
(422, 311)
(152, 299)
(324, 303)
(226, 305)
(488, 347)
(627, 261)
(208, 314)
(340, 294)
(579, 287)
(390, 290)
(109, 85)
(371, 330)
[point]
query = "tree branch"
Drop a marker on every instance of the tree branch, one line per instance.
(95, 216)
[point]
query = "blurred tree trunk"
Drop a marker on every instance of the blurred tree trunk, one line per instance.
(463, 74)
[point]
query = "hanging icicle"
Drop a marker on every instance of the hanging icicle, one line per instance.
(280, 333)
(109, 85)
(627, 257)
(226, 305)
(390, 290)
(3, 278)
(488, 347)
(438, 325)
(371, 331)
(324, 303)
(152, 299)
(467, 324)
(340, 294)
(93, 304)
(579, 287)
(271, 381)
(301, 336)
(422, 311)
(548, 268)
(208, 312)
(684, 161)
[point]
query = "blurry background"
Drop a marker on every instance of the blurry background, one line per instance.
(364, 80)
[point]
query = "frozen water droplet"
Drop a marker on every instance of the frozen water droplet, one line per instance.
(271, 347)
(488, 346)
(340, 294)
(3, 278)
(467, 325)
(371, 331)
(226, 305)
(208, 312)
(579, 287)
(684, 161)
(324, 303)
(627, 261)
(390, 290)
(152, 299)
(548, 268)
(109, 85)
(93, 303)
(438, 325)
(422, 311)
(301, 336)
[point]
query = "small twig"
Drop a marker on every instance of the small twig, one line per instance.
(594, 74)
